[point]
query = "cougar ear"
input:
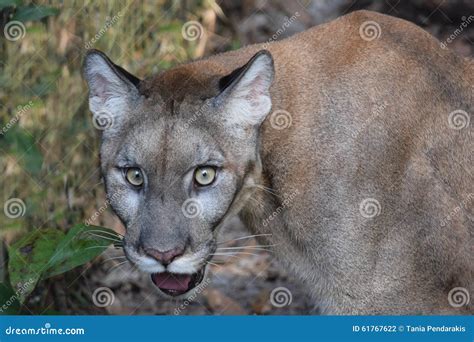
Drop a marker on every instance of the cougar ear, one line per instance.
(245, 93)
(111, 88)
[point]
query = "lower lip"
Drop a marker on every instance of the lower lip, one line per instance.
(196, 280)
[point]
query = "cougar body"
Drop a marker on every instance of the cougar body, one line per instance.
(352, 155)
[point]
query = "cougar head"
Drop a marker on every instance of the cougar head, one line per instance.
(177, 167)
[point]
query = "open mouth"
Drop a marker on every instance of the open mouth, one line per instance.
(174, 284)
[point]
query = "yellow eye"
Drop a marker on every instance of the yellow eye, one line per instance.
(204, 175)
(134, 176)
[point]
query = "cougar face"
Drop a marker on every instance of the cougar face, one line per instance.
(175, 170)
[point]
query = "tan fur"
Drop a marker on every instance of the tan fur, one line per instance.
(419, 169)
(369, 119)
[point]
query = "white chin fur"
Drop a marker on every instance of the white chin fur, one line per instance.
(149, 265)
(184, 265)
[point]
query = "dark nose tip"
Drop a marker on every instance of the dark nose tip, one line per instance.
(165, 257)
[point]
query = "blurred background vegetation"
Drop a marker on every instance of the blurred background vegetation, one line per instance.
(49, 146)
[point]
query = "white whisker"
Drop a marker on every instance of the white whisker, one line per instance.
(116, 266)
(115, 258)
(266, 189)
(246, 246)
(244, 237)
(234, 254)
(243, 249)
(212, 263)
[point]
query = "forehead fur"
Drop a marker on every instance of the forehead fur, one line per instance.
(184, 83)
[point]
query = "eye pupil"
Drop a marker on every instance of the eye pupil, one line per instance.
(204, 175)
(134, 176)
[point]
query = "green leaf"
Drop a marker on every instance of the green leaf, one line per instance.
(32, 13)
(81, 244)
(28, 258)
(45, 253)
(9, 304)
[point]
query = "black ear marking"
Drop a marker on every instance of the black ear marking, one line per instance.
(117, 69)
(225, 81)
(133, 79)
(229, 79)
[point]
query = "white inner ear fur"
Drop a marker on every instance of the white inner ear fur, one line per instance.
(249, 102)
(109, 94)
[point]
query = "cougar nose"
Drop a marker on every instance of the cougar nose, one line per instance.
(165, 257)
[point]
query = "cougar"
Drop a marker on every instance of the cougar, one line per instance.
(347, 147)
